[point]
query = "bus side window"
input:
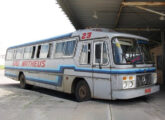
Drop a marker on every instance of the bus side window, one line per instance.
(98, 56)
(19, 53)
(27, 52)
(33, 51)
(59, 50)
(38, 51)
(85, 54)
(105, 53)
(9, 55)
(69, 48)
(101, 53)
(65, 49)
(44, 51)
(50, 50)
(89, 53)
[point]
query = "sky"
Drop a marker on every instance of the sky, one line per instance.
(24, 21)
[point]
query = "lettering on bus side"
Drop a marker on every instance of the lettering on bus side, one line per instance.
(35, 63)
(16, 63)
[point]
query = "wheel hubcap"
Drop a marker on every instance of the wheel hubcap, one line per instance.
(82, 91)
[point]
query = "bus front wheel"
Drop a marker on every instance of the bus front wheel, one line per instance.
(82, 92)
(23, 84)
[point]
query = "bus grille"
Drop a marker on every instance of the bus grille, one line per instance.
(143, 80)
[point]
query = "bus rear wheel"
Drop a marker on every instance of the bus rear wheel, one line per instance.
(82, 91)
(23, 84)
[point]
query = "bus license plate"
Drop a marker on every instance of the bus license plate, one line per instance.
(147, 90)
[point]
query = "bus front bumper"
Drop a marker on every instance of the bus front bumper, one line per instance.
(133, 93)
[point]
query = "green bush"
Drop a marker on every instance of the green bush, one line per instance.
(1, 66)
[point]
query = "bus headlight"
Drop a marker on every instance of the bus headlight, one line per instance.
(124, 84)
(129, 81)
(130, 84)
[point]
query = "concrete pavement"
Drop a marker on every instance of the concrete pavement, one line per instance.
(44, 104)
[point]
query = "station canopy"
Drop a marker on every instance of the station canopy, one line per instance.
(141, 17)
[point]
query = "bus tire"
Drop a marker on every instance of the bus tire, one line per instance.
(82, 91)
(23, 84)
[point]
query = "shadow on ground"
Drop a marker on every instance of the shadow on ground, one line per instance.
(71, 97)
(40, 90)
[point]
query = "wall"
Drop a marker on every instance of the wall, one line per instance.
(157, 51)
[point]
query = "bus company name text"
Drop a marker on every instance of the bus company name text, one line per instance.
(29, 63)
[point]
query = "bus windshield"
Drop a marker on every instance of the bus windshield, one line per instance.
(130, 51)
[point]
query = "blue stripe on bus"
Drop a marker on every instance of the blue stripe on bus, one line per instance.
(61, 68)
(45, 40)
(57, 81)
(10, 74)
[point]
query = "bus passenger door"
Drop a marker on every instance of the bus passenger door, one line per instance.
(85, 63)
(101, 68)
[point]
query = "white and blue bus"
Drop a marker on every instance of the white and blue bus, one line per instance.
(89, 63)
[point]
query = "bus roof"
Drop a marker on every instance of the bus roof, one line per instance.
(44, 40)
(102, 33)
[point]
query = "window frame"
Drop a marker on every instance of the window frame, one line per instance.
(102, 50)
(37, 56)
(12, 50)
(41, 51)
(36, 50)
(125, 37)
(31, 47)
(50, 50)
(95, 43)
(86, 43)
(21, 56)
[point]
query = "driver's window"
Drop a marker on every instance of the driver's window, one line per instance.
(100, 53)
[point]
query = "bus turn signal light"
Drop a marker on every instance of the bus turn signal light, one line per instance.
(130, 77)
(124, 78)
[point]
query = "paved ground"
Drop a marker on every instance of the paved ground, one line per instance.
(44, 104)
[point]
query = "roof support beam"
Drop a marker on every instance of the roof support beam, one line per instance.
(149, 10)
(143, 3)
(155, 42)
(138, 29)
(138, 5)
(118, 14)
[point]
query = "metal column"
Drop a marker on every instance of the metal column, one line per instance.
(163, 56)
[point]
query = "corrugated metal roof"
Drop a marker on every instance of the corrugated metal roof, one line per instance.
(103, 13)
